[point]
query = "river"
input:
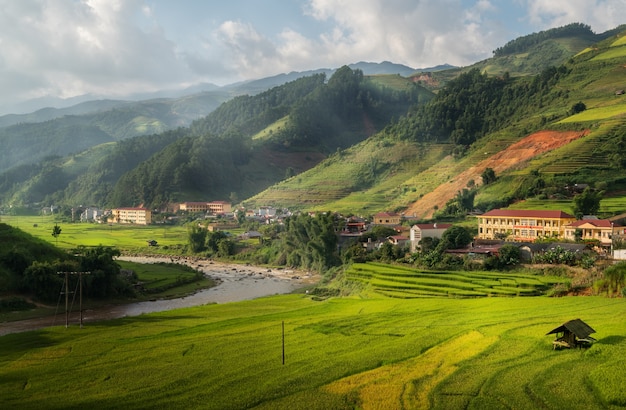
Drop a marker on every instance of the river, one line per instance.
(235, 283)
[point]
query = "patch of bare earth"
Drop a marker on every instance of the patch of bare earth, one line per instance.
(516, 154)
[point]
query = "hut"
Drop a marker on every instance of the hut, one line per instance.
(574, 333)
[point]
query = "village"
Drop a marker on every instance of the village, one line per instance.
(533, 231)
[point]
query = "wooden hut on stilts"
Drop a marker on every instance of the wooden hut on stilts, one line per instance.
(574, 333)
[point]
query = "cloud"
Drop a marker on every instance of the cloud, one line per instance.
(601, 15)
(69, 48)
(119, 47)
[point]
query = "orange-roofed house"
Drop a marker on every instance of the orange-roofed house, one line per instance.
(523, 225)
(590, 229)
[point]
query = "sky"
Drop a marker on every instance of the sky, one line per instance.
(114, 48)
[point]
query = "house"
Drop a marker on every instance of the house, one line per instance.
(420, 231)
(600, 230)
(251, 235)
(523, 225)
(91, 214)
(214, 207)
(574, 333)
(398, 240)
(138, 216)
(387, 218)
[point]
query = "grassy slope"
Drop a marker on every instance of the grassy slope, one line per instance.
(341, 353)
(412, 171)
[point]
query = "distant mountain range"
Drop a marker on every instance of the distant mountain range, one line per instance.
(362, 139)
(48, 108)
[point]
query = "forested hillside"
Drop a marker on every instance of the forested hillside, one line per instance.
(71, 130)
(222, 159)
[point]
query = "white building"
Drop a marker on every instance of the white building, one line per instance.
(421, 231)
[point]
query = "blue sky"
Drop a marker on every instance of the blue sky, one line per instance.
(113, 48)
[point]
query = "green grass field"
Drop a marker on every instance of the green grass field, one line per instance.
(343, 353)
(129, 237)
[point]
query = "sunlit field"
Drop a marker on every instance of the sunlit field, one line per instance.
(92, 234)
(378, 353)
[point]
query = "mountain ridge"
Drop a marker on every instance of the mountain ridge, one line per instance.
(444, 136)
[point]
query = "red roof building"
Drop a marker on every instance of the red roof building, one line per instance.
(591, 229)
(523, 225)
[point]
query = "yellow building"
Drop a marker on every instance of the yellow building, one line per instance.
(590, 229)
(139, 216)
(215, 207)
(523, 225)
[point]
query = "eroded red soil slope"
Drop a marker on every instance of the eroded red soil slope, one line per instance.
(516, 154)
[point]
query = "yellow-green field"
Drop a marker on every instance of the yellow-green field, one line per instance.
(132, 237)
(343, 353)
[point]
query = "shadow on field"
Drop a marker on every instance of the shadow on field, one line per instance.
(612, 340)
(20, 343)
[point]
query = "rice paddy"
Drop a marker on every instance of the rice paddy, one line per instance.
(341, 353)
(408, 283)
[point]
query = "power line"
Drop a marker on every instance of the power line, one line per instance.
(80, 281)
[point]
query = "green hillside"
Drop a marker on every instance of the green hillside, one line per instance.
(388, 142)
(49, 132)
(18, 251)
(419, 164)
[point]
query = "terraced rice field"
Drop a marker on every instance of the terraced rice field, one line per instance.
(407, 283)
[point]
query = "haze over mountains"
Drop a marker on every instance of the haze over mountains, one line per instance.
(46, 108)
(385, 134)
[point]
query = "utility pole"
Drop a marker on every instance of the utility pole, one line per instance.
(67, 294)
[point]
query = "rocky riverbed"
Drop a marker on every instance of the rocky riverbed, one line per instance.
(234, 283)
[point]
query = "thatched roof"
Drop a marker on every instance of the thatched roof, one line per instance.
(576, 326)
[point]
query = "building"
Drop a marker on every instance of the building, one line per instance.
(600, 230)
(523, 225)
(398, 240)
(91, 214)
(214, 207)
(421, 231)
(387, 218)
(574, 333)
(138, 216)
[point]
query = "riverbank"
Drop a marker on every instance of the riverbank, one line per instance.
(234, 283)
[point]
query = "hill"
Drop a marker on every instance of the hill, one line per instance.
(19, 251)
(225, 153)
(528, 131)
(61, 132)
(386, 145)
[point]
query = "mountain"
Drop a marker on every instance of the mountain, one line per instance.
(540, 133)
(366, 143)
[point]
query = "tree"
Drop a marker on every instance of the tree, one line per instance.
(587, 203)
(509, 255)
(616, 275)
(56, 231)
(196, 236)
(578, 107)
(488, 176)
(455, 237)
